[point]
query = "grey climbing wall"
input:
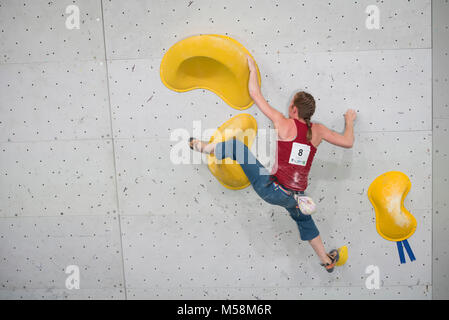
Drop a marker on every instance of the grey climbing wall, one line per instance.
(440, 69)
(87, 132)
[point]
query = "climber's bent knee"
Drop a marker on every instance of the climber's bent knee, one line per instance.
(306, 225)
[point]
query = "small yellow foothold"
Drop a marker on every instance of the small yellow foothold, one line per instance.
(343, 252)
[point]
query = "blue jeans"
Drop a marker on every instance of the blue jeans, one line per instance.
(266, 188)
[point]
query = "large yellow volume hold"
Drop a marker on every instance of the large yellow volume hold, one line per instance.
(214, 62)
(227, 171)
(387, 193)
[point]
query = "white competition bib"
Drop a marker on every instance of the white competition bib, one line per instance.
(299, 154)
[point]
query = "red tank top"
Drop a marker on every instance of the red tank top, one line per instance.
(294, 159)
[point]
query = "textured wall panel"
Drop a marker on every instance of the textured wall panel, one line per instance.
(62, 294)
(441, 209)
(390, 89)
(57, 178)
(36, 30)
(140, 29)
(440, 72)
(50, 101)
(282, 293)
(237, 251)
(440, 56)
(441, 164)
(36, 252)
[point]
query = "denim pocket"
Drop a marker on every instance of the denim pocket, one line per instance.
(285, 192)
(282, 198)
(279, 188)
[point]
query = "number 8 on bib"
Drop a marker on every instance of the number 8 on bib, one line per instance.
(299, 154)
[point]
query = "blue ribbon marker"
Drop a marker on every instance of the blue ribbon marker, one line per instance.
(401, 251)
(409, 250)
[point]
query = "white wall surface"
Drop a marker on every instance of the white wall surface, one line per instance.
(85, 171)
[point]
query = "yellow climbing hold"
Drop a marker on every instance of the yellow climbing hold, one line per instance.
(214, 62)
(227, 171)
(343, 253)
(387, 193)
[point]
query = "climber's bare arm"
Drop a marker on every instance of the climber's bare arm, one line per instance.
(274, 115)
(345, 140)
